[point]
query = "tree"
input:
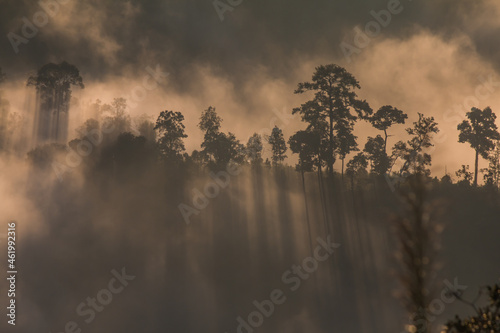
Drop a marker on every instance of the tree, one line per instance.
(464, 175)
(113, 117)
(254, 149)
(227, 149)
(486, 319)
(128, 155)
(210, 123)
(385, 117)
(218, 148)
(346, 142)
(356, 168)
(418, 236)
(306, 144)
(278, 146)
(53, 85)
(479, 131)
(375, 150)
(171, 134)
(146, 127)
(492, 172)
(334, 98)
(412, 151)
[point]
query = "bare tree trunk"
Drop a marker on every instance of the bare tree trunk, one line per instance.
(475, 168)
(385, 141)
(343, 158)
(330, 149)
(307, 209)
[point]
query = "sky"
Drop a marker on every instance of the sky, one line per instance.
(245, 57)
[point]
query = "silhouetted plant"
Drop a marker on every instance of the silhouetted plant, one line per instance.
(170, 135)
(375, 151)
(53, 85)
(334, 98)
(486, 319)
(492, 172)
(479, 131)
(464, 175)
(146, 127)
(356, 168)
(376, 147)
(218, 148)
(306, 144)
(254, 149)
(385, 117)
(417, 231)
(346, 142)
(412, 152)
(278, 146)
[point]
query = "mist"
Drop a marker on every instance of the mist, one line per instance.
(127, 221)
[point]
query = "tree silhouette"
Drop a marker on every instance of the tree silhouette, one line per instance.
(278, 146)
(306, 144)
(116, 117)
(128, 155)
(464, 175)
(356, 168)
(479, 131)
(417, 230)
(227, 149)
(171, 134)
(492, 172)
(218, 148)
(346, 141)
(385, 117)
(254, 149)
(53, 84)
(210, 123)
(411, 151)
(486, 319)
(334, 98)
(146, 127)
(375, 150)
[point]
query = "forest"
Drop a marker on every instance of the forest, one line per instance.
(214, 235)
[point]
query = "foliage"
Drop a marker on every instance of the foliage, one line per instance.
(254, 149)
(306, 144)
(375, 150)
(218, 149)
(412, 151)
(356, 168)
(464, 175)
(278, 146)
(171, 134)
(334, 100)
(486, 319)
(479, 131)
